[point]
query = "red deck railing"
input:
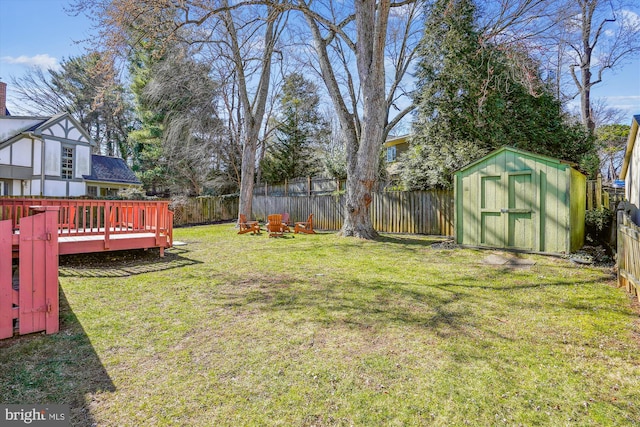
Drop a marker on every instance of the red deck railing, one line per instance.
(80, 217)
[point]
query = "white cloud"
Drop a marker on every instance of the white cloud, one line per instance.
(43, 61)
(628, 21)
(624, 99)
(629, 104)
(400, 11)
(631, 18)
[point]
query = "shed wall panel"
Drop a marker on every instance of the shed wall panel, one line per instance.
(578, 202)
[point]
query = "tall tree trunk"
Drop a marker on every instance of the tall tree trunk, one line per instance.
(585, 66)
(585, 98)
(364, 119)
(253, 109)
(362, 164)
(248, 171)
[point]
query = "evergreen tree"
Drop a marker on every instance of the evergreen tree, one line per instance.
(300, 132)
(469, 103)
(146, 141)
(611, 141)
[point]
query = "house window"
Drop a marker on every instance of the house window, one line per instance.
(391, 154)
(67, 163)
(4, 188)
(112, 192)
(92, 191)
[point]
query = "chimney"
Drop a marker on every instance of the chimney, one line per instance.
(3, 98)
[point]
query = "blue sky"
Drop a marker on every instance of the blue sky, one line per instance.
(40, 33)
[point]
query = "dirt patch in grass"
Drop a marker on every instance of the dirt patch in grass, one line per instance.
(121, 263)
(112, 258)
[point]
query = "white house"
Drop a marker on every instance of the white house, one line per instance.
(51, 156)
(631, 169)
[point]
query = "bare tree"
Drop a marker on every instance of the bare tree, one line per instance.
(599, 35)
(364, 98)
(88, 92)
(229, 153)
(603, 114)
(246, 36)
(252, 104)
(577, 40)
(517, 21)
(37, 95)
(223, 64)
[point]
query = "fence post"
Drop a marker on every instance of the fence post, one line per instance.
(598, 192)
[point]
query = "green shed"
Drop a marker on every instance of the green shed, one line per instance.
(520, 200)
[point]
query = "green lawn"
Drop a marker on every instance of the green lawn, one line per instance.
(317, 330)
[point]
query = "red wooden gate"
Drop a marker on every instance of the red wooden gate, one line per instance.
(37, 296)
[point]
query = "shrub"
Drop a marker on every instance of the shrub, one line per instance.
(598, 223)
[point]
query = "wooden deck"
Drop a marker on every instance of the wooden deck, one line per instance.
(97, 225)
(36, 231)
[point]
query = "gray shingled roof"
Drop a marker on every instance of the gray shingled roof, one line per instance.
(111, 169)
(36, 126)
(42, 120)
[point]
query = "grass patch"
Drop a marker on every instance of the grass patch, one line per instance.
(320, 330)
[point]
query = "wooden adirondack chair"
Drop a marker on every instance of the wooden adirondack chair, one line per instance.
(247, 226)
(285, 221)
(304, 227)
(275, 227)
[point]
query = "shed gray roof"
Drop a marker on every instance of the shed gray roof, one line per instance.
(111, 169)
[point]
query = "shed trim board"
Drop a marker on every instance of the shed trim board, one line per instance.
(631, 140)
(630, 171)
(515, 199)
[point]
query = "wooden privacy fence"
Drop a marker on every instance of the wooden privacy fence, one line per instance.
(602, 196)
(308, 186)
(201, 210)
(30, 302)
(628, 253)
(326, 210)
(419, 212)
